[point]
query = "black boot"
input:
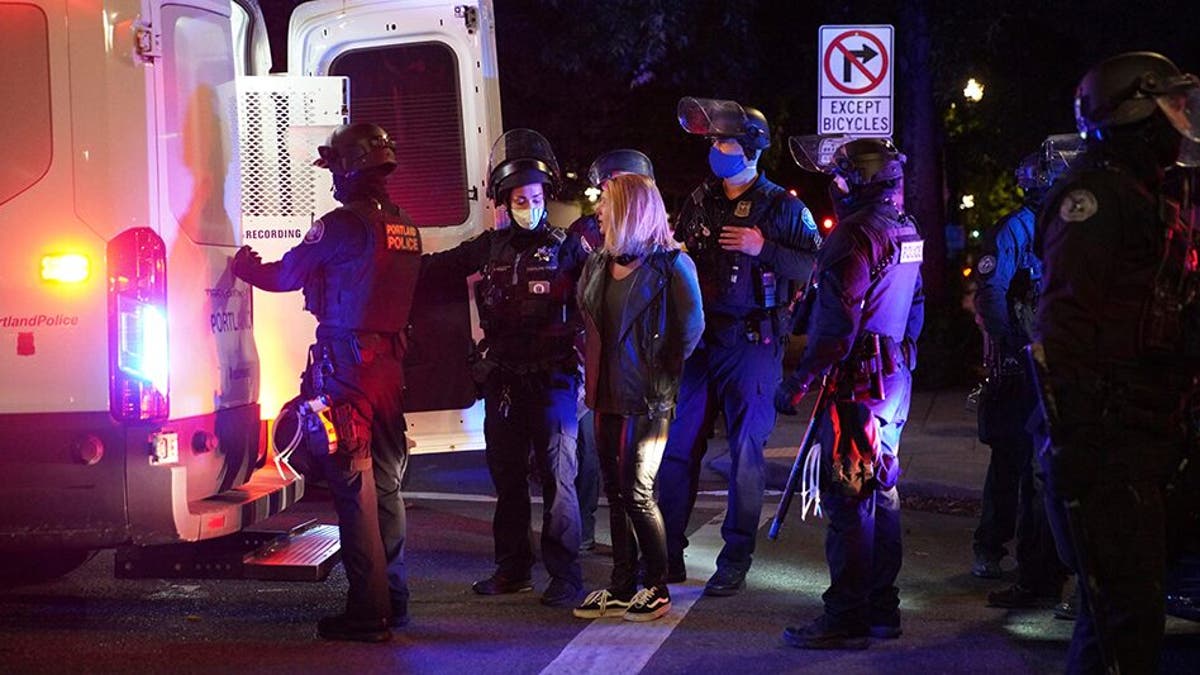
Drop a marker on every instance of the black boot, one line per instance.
(350, 629)
(826, 633)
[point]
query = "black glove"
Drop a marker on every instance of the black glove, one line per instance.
(789, 393)
(245, 260)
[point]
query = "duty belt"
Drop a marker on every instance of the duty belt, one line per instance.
(560, 362)
(366, 345)
(760, 326)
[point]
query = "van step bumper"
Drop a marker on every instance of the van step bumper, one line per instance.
(283, 548)
(306, 556)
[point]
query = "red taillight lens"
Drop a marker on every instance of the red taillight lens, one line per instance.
(137, 326)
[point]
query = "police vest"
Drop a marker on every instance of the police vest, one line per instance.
(372, 291)
(896, 266)
(729, 280)
(523, 290)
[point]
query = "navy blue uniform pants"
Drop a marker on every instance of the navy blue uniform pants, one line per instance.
(530, 427)
(366, 493)
(1012, 501)
(1013, 504)
(738, 378)
(631, 449)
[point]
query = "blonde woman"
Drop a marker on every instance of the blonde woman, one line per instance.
(640, 301)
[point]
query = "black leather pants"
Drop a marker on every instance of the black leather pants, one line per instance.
(631, 449)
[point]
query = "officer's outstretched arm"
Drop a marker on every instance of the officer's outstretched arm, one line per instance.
(461, 261)
(686, 305)
(290, 272)
(792, 240)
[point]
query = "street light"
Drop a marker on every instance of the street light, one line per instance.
(973, 92)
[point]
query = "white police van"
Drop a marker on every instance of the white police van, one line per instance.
(144, 144)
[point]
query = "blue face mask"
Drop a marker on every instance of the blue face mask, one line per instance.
(724, 166)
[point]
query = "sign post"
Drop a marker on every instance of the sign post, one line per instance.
(855, 75)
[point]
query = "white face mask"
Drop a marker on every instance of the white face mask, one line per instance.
(528, 218)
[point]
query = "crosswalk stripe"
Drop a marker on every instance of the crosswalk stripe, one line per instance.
(613, 646)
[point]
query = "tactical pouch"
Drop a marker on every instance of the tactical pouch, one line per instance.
(865, 372)
(353, 431)
(481, 367)
(850, 443)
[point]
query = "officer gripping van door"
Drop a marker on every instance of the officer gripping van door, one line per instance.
(132, 404)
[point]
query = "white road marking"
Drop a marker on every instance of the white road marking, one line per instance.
(613, 646)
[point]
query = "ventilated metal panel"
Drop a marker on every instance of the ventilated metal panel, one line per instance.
(283, 120)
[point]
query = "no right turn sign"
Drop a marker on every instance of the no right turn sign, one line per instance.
(855, 75)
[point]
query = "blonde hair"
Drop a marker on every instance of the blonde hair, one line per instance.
(634, 220)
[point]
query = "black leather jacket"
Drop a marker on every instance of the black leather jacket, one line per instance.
(660, 326)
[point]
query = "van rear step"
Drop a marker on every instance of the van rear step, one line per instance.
(282, 548)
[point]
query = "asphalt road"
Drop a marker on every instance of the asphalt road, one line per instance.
(90, 622)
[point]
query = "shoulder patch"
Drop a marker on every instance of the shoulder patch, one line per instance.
(585, 244)
(316, 232)
(1077, 206)
(986, 265)
(806, 217)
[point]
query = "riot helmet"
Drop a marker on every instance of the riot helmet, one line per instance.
(521, 157)
(866, 161)
(354, 148)
(1029, 173)
(1129, 88)
(713, 118)
(619, 161)
(1038, 170)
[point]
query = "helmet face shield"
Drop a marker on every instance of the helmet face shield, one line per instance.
(860, 161)
(1183, 111)
(518, 157)
(711, 117)
(816, 152)
(1058, 153)
(617, 162)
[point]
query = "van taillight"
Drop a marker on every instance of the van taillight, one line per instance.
(137, 326)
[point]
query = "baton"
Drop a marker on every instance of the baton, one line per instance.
(793, 481)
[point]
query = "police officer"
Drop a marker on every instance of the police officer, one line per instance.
(587, 484)
(751, 241)
(358, 266)
(1116, 325)
(1008, 276)
(866, 318)
(529, 370)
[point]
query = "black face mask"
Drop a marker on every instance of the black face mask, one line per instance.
(370, 184)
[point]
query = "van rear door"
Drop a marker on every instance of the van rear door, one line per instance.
(426, 72)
